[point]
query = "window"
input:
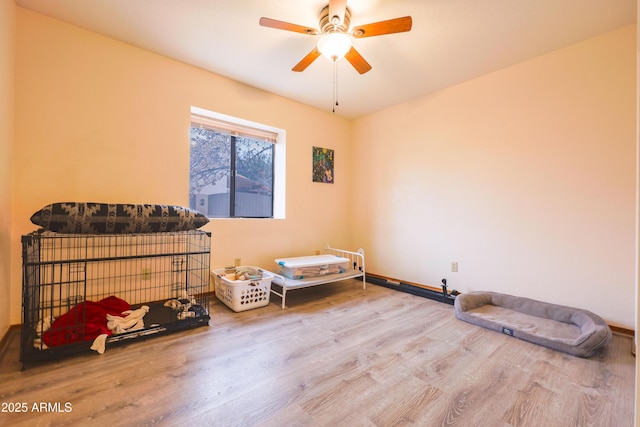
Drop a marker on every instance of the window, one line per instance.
(233, 168)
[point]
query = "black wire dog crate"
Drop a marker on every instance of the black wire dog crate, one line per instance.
(72, 283)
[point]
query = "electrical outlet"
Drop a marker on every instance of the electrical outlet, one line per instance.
(454, 266)
(238, 262)
(146, 273)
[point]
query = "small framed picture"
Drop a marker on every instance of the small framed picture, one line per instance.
(323, 165)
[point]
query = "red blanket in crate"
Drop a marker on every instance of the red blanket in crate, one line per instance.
(84, 322)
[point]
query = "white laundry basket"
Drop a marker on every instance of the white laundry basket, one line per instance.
(241, 295)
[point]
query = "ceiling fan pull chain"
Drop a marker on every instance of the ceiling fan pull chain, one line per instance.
(334, 88)
(335, 85)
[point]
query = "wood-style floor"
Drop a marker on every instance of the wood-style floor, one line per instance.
(337, 356)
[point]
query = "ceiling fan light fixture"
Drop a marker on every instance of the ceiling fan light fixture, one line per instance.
(334, 46)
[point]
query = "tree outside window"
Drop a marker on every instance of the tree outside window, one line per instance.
(230, 176)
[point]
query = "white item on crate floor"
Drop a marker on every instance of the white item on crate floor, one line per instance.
(241, 295)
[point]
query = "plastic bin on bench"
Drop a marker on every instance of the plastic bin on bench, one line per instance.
(312, 266)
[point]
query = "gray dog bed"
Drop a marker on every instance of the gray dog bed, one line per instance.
(570, 330)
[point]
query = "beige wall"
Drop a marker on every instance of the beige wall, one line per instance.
(99, 120)
(7, 64)
(525, 177)
(637, 276)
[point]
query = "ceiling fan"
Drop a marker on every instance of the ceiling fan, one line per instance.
(336, 40)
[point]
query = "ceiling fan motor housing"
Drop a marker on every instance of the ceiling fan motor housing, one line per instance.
(331, 24)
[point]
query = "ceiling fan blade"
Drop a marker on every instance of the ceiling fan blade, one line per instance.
(358, 62)
(281, 25)
(397, 25)
(307, 60)
(337, 8)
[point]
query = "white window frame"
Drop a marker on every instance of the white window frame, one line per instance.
(279, 158)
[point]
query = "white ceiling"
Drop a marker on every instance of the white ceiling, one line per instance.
(451, 40)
